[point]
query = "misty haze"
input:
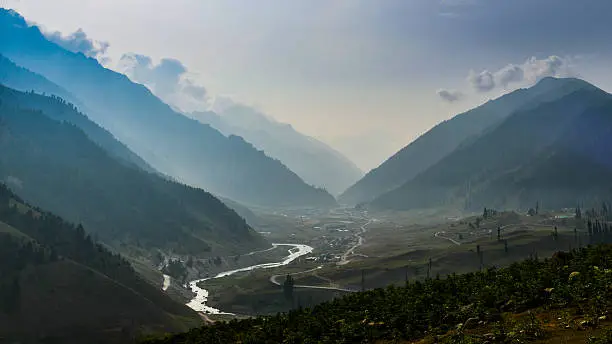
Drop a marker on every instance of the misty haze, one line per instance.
(424, 171)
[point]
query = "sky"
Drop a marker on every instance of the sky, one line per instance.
(366, 77)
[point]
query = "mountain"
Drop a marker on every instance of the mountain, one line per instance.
(22, 79)
(58, 286)
(312, 160)
(447, 136)
(247, 214)
(191, 152)
(555, 153)
(55, 165)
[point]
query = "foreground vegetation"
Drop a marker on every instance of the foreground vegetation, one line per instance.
(576, 283)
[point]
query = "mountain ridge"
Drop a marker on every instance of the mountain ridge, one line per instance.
(445, 137)
(183, 148)
(314, 161)
(55, 165)
(21, 79)
(494, 169)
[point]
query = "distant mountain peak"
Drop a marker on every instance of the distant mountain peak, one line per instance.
(550, 83)
(448, 135)
(312, 160)
(12, 16)
(552, 147)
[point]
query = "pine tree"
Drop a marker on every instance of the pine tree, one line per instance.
(288, 287)
(362, 280)
(575, 234)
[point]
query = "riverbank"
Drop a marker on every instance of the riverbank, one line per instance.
(198, 303)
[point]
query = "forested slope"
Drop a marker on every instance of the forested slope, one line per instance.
(554, 153)
(56, 166)
(58, 285)
(450, 135)
(56, 104)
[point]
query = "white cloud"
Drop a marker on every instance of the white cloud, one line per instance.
(78, 42)
(534, 69)
(551, 66)
(481, 82)
(168, 80)
(525, 74)
(509, 74)
(449, 95)
(197, 92)
(513, 76)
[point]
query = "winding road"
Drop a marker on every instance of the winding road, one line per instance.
(360, 240)
(437, 235)
(503, 228)
(274, 280)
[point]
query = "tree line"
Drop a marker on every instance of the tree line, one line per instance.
(578, 279)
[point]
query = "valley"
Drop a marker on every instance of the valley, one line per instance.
(357, 250)
(344, 250)
(139, 206)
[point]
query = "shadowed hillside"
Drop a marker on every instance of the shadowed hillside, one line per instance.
(555, 153)
(312, 160)
(447, 136)
(21, 79)
(55, 165)
(58, 286)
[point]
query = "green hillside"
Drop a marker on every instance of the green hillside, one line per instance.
(55, 165)
(21, 79)
(443, 139)
(58, 286)
(546, 153)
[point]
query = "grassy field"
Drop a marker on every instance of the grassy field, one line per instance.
(434, 243)
(395, 253)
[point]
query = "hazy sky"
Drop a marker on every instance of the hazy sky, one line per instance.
(365, 76)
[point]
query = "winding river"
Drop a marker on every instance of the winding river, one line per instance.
(198, 303)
